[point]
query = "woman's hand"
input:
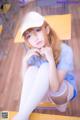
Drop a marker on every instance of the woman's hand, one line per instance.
(26, 58)
(54, 83)
(47, 51)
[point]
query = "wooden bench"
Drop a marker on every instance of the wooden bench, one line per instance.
(38, 116)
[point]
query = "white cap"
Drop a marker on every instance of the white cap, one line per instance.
(32, 19)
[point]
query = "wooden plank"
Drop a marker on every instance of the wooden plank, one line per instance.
(38, 116)
(61, 24)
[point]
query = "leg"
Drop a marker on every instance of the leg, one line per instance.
(39, 89)
(28, 81)
(63, 96)
(63, 107)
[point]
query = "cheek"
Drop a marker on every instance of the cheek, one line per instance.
(29, 43)
(31, 40)
(41, 36)
(46, 38)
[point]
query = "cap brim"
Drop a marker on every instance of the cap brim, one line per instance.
(18, 37)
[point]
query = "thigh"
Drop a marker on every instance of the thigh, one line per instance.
(30, 74)
(72, 91)
(46, 98)
(43, 71)
(43, 74)
(64, 95)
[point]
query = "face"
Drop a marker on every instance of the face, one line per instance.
(37, 37)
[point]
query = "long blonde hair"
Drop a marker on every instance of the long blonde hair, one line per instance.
(54, 42)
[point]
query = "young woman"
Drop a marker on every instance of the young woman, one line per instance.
(47, 68)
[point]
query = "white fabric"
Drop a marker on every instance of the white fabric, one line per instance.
(35, 86)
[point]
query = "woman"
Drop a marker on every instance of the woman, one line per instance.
(47, 68)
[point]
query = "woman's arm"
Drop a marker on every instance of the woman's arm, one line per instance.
(53, 76)
(62, 90)
(61, 75)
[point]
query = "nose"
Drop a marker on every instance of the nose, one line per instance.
(35, 35)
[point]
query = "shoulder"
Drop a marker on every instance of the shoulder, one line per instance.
(66, 52)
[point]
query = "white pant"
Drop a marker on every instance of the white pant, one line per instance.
(35, 86)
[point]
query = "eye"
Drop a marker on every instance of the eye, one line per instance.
(37, 29)
(28, 36)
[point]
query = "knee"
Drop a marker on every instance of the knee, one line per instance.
(45, 66)
(64, 94)
(30, 73)
(31, 70)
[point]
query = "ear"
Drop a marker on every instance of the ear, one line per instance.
(47, 30)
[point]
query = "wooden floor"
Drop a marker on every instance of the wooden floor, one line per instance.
(11, 57)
